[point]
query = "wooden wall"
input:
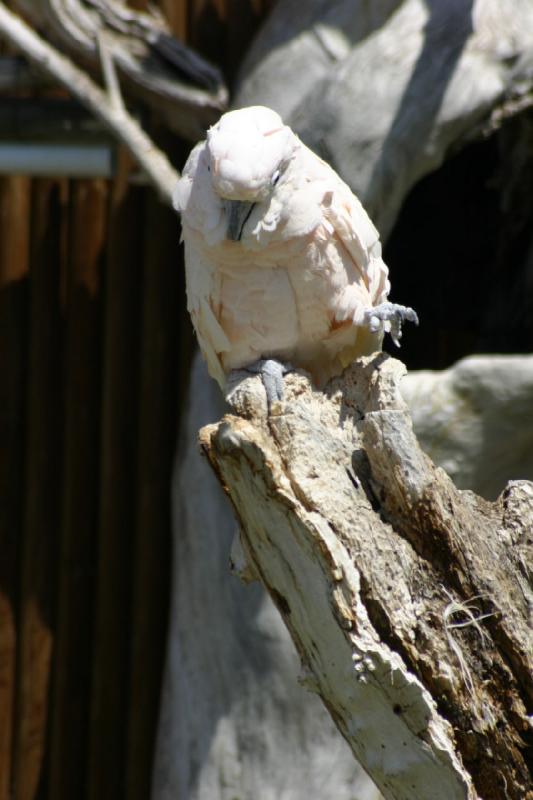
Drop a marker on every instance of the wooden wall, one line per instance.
(94, 352)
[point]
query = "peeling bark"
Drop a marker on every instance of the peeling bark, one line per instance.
(408, 600)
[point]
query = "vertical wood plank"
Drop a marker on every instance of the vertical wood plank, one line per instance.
(43, 485)
(207, 29)
(157, 435)
(14, 238)
(139, 5)
(175, 12)
(117, 491)
(93, 469)
(73, 652)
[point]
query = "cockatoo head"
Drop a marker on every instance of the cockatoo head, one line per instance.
(247, 152)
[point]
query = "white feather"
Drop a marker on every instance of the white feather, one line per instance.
(308, 264)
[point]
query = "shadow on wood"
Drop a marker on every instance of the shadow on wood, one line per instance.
(408, 600)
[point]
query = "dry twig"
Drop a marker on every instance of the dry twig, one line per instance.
(154, 162)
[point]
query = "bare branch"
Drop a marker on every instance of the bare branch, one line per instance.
(183, 88)
(156, 165)
(109, 72)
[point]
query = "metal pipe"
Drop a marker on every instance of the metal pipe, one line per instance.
(57, 160)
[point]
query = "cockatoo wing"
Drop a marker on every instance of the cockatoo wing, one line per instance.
(352, 225)
(202, 277)
(203, 298)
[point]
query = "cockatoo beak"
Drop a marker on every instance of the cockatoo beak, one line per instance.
(237, 212)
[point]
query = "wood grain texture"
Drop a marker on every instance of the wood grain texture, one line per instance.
(408, 600)
(14, 252)
(151, 548)
(117, 476)
(81, 453)
(97, 351)
(39, 544)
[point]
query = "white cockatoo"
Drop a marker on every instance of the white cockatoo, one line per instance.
(282, 262)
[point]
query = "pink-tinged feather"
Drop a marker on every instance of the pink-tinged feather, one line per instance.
(307, 267)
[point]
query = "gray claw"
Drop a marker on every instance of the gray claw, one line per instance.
(388, 318)
(271, 372)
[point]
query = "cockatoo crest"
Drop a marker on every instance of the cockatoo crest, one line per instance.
(247, 152)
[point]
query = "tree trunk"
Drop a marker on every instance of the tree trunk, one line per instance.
(409, 601)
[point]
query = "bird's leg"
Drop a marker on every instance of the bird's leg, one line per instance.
(388, 318)
(271, 372)
(109, 72)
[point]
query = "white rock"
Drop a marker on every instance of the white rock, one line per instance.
(476, 419)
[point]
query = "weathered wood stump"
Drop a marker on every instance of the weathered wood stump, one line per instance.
(409, 601)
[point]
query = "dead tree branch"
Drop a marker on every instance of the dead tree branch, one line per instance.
(155, 67)
(408, 600)
(154, 162)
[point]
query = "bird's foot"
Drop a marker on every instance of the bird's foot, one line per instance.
(271, 372)
(389, 318)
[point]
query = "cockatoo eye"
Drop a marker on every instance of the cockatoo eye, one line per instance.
(275, 177)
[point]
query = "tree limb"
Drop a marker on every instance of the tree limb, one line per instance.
(159, 69)
(156, 165)
(408, 600)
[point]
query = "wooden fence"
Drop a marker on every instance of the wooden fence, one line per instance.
(94, 354)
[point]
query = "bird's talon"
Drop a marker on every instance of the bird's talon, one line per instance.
(389, 317)
(271, 372)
